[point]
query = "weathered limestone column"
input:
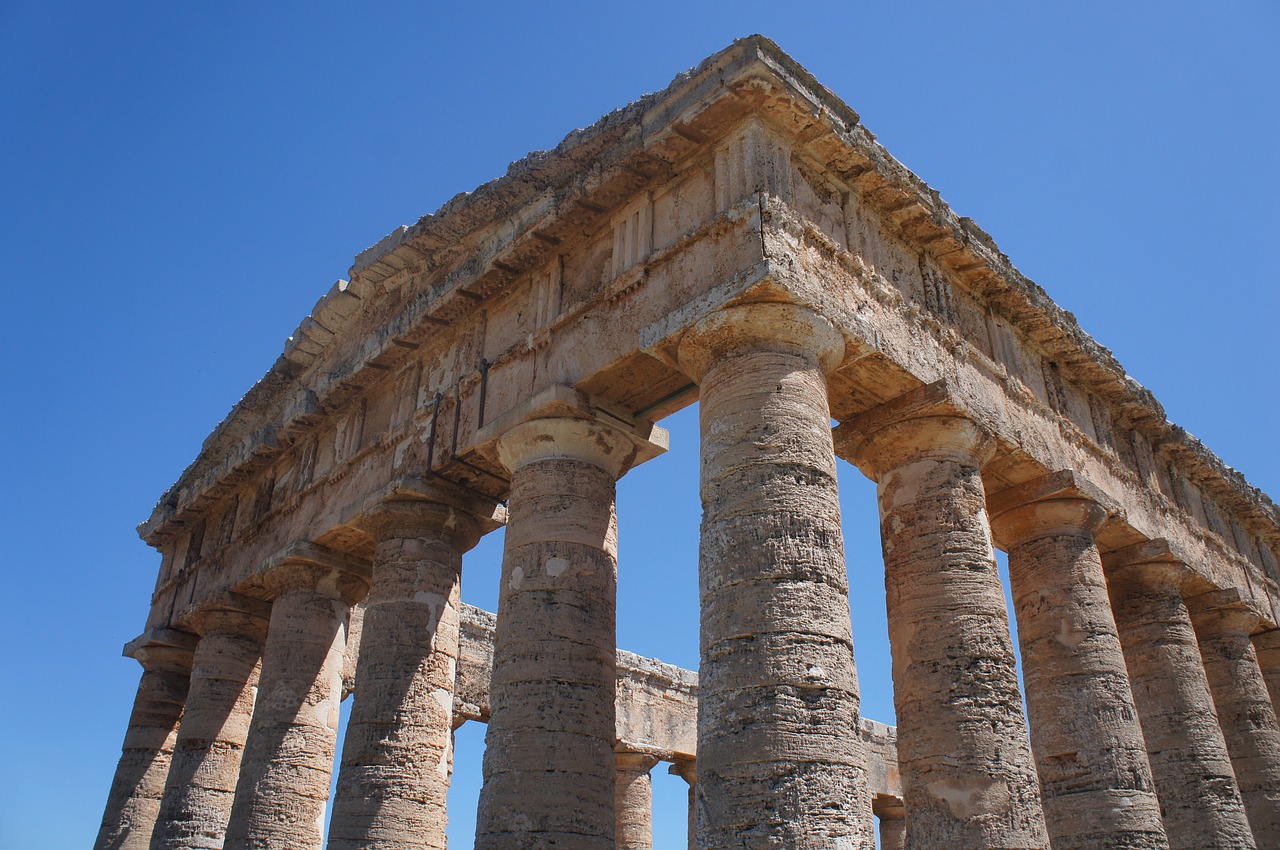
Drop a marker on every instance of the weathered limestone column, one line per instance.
(206, 759)
(893, 831)
(1223, 624)
(1267, 647)
(1095, 779)
(1194, 780)
(780, 756)
(548, 762)
(397, 754)
(633, 799)
(288, 764)
(968, 777)
(687, 769)
(138, 787)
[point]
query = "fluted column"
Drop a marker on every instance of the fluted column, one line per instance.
(633, 799)
(207, 753)
(1095, 779)
(288, 764)
(780, 756)
(1244, 708)
(968, 777)
(133, 805)
(548, 762)
(687, 769)
(1267, 646)
(1198, 793)
(397, 754)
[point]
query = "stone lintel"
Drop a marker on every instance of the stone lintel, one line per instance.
(162, 638)
(1063, 484)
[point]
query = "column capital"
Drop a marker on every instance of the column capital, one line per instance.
(769, 326)
(561, 423)
(631, 761)
(686, 769)
(163, 650)
(1268, 640)
(921, 424)
(231, 613)
(1060, 503)
(307, 565)
(1149, 564)
(458, 523)
(1223, 612)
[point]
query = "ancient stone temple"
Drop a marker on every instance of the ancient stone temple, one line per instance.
(740, 240)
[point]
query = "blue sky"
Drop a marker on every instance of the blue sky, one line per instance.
(181, 184)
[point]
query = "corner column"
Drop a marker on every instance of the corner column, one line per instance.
(968, 777)
(1198, 794)
(398, 751)
(206, 759)
(780, 755)
(548, 762)
(133, 805)
(633, 798)
(1248, 720)
(288, 765)
(1095, 779)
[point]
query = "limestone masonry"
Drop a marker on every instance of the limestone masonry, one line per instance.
(738, 239)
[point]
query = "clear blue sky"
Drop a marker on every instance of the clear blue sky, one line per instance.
(181, 184)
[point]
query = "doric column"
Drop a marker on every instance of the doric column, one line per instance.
(1194, 781)
(1223, 624)
(633, 799)
(397, 753)
(968, 777)
(1095, 779)
(206, 756)
(548, 762)
(893, 830)
(687, 769)
(780, 755)
(138, 787)
(288, 764)
(1267, 646)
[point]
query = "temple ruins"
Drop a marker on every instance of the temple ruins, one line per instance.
(738, 239)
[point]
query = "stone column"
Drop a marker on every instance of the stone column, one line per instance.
(397, 754)
(206, 756)
(1194, 780)
(968, 778)
(138, 787)
(1267, 647)
(548, 762)
(893, 831)
(780, 755)
(1095, 779)
(633, 799)
(288, 765)
(687, 769)
(1223, 624)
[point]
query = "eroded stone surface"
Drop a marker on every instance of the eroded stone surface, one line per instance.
(1244, 709)
(1095, 779)
(1198, 793)
(780, 762)
(211, 738)
(398, 752)
(288, 760)
(967, 773)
